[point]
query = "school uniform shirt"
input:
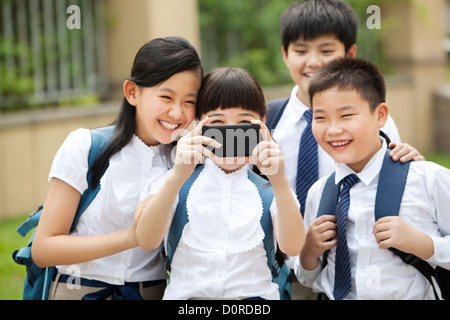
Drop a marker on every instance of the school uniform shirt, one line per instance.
(379, 273)
(288, 133)
(221, 252)
(127, 180)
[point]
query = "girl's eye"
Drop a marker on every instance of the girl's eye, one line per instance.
(166, 97)
(217, 122)
(347, 115)
(245, 122)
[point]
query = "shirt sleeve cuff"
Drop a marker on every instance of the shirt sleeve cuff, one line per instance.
(441, 256)
(306, 277)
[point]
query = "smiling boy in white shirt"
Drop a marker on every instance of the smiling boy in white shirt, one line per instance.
(348, 102)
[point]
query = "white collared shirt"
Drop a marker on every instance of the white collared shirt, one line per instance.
(288, 133)
(127, 180)
(378, 273)
(221, 253)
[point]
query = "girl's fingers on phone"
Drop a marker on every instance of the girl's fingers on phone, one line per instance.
(265, 133)
(198, 129)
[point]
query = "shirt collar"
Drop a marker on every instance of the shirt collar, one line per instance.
(370, 171)
(296, 105)
(212, 167)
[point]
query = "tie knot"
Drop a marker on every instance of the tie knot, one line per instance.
(350, 180)
(308, 115)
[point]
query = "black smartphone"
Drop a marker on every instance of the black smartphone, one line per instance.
(237, 140)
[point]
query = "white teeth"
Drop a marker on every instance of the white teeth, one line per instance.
(339, 144)
(168, 125)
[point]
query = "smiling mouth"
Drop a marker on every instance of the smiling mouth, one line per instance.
(309, 74)
(339, 144)
(169, 125)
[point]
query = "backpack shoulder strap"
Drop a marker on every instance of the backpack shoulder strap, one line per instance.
(266, 193)
(280, 272)
(180, 217)
(330, 197)
(99, 140)
(391, 186)
(275, 110)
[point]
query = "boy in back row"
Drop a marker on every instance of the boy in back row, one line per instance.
(347, 97)
(313, 33)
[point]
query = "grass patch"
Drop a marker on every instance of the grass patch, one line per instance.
(12, 275)
(440, 158)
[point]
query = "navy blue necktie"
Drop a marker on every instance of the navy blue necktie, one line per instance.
(307, 165)
(343, 275)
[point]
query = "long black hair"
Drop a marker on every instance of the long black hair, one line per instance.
(155, 62)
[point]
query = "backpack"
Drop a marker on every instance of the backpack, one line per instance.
(280, 272)
(275, 109)
(393, 177)
(38, 280)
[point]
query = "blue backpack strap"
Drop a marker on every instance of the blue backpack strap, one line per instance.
(393, 177)
(180, 217)
(391, 186)
(280, 273)
(330, 197)
(275, 109)
(266, 193)
(99, 139)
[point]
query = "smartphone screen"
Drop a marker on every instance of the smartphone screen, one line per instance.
(237, 140)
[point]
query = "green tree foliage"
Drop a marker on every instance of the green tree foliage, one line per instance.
(247, 34)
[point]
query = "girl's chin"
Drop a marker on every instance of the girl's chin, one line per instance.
(230, 164)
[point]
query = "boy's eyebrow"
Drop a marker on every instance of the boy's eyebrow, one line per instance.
(341, 108)
(304, 44)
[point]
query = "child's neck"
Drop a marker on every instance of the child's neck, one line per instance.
(359, 166)
(229, 168)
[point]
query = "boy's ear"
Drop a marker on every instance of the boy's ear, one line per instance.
(351, 53)
(382, 113)
(283, 51)
(130, 89)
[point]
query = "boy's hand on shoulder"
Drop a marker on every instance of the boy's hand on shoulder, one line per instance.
(395, 232)
(404, 152)
(320, 237)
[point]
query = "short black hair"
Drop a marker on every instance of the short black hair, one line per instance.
(226, 88)
(350, 74)
(311, 19)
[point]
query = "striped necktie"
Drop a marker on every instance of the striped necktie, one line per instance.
(343, 275)
(307, 165)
